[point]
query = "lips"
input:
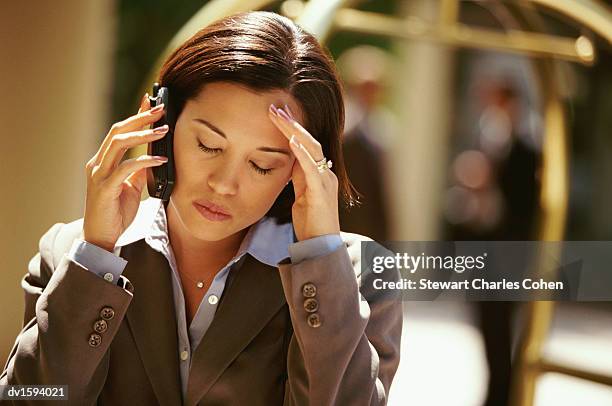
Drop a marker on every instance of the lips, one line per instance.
(213, 207)
(211, 211)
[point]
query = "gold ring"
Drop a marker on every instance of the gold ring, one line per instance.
(323, 165)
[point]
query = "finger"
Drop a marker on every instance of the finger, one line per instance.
(297, 173)
(308, 165)
(290, 126)
(285, 128)
(144, 102)
(135, 139)
(137, 180)
(132, 165)
(288, 110)
(139, 120)
(298, 178)
(133, 123)
(122, 142)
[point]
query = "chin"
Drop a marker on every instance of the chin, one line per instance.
(208, 231)
(211, 236)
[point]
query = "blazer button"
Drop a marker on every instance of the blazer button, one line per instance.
(107, 313)
(311, 305)
(313, 320)
(309, 290)
(94, 340)
(100, 326)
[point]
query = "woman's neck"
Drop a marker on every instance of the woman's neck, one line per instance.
(192, 253)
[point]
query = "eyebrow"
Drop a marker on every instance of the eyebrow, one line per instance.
(222, 134)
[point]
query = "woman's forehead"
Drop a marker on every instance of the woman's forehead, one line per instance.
(228, 95)
(237, 110)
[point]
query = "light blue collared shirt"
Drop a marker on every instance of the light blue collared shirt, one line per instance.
(266, 241)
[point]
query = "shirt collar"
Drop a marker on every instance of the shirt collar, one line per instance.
(266, 241)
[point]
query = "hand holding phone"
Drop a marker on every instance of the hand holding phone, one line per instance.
(114, 188)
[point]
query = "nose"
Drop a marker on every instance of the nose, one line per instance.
(224, 180)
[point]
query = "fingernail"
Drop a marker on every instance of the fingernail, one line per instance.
(273, 109)
(157, 109)
(289, 111)
(161, 130)
(160, 158)
(293, 141)
(284, 115)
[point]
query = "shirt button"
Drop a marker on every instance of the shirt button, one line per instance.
(107, 313)
(313, 320)
(213, 299)
(95, 340)
(184, 355)
(311, 305)
(109, 276)
(309, 290)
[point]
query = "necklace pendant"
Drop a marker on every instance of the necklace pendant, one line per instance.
(200, 284)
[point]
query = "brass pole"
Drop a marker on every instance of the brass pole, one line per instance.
(576, 373)
(554, 195)
(449, 12)
(533, 44)
(318, 17)
(590, 13)
(553, 199)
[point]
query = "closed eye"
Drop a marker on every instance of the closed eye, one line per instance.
(208, 150)
(261, 171)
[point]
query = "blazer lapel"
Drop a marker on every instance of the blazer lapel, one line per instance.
(152, 319)
(253, 296)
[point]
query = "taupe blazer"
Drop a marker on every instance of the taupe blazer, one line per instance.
(260, 349)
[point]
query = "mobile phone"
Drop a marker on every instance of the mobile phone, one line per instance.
(160, 179)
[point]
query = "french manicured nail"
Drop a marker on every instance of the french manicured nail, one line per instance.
(273, 109)
(161, 130)
(284, 115)
(157, 109)
(160, 158)
(288, 109)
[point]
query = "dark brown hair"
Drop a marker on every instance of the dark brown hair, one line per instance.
(265, 51)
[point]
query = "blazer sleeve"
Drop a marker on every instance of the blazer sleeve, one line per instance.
(71, 316)
(345, 350)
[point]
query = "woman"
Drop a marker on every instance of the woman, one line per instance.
(241, 290)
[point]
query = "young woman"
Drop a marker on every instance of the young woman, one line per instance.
(241, 289)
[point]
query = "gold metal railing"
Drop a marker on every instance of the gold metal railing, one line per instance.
(458, 35)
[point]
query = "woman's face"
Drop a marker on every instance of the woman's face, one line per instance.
(230, 155)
